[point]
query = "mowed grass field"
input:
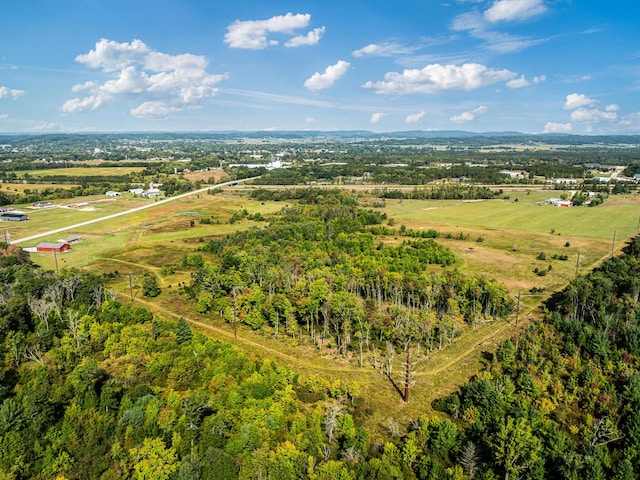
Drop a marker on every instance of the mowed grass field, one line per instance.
(505, 236)
(80, 171)
(149, 239)
(19, 188)
(45, 219)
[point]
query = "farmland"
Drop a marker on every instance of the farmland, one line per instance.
(78, 172)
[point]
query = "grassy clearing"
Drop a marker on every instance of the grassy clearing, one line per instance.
(79, 171)
(42, 220)
(618, 214)
(150, 239)
(513, 234)
(19, 188)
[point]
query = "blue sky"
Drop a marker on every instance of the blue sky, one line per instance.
(570, 66)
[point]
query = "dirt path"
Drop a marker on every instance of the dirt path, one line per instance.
(254, 346)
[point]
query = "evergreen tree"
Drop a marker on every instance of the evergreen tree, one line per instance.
(150, 287)
(183, 331)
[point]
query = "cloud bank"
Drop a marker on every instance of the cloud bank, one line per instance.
(438, 78)
(163, 83)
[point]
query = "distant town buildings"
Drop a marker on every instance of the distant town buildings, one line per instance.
(14, 217)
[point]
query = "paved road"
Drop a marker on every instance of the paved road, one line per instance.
(127, 212)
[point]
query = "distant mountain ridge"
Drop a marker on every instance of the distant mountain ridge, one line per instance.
(435, 136)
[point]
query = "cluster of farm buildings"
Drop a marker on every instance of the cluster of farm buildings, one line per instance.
(62, 245)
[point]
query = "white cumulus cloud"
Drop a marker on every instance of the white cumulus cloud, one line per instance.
(578, 100)
(320, 81)
(469, 116)
(522, 81)
(163, 83)
(253, 34)
(519, 82)
(310, 120)
(437, 78)
(4, 116)
(11, 93)
(593, 115)
(514, 10)
(376, 117)
(311, 38)
(612, 108)
(555, 127)
(153, 109)
(415, 117)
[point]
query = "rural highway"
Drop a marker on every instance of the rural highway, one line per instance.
(127, 212)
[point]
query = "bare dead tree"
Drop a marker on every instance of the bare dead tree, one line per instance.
(391, 351)
(41, 308)
(6, 294)
(604, 432)
(70, 285)
(326, 451)
(55, 293)
(33, 353)
(73, 322)
(331, 421)
(111, 294)
(469, 460)
(351, 455)
(393, 428)
(97, 294)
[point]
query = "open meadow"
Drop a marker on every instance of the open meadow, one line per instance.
(20, 188)
(79, 172)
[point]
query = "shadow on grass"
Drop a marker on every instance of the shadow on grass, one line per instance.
(400, 392)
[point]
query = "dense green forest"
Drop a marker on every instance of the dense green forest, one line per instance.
(92, 387)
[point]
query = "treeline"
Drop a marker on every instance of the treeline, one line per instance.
(409, 174)
(94, 388)
(441, 192)
(310, 195)
(317, 273)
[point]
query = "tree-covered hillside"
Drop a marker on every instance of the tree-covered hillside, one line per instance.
(95, 388)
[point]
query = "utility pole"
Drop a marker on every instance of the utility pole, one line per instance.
(518, 307)
(407, 377)
(613, 244)
(130, 287)
(577, 264)
(55, 257)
